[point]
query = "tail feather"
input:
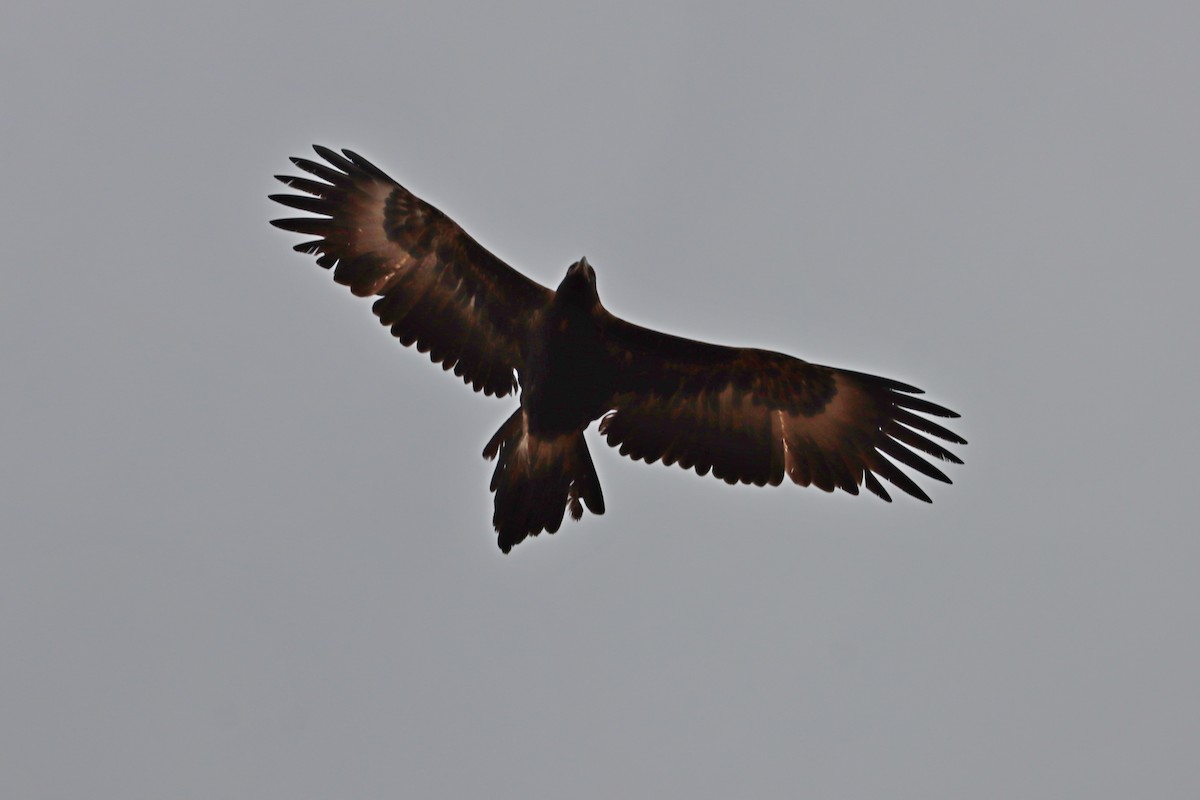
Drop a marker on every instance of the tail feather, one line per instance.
(537, 480)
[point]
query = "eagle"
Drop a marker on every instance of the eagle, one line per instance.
(742, 414)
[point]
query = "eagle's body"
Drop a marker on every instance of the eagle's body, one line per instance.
(746, 415)
(568, 377)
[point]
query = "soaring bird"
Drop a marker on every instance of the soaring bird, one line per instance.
(743, 414)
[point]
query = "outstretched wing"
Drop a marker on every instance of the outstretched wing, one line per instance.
(754, 416)
(438, 288)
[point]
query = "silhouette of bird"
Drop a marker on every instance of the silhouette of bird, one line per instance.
(743, 414)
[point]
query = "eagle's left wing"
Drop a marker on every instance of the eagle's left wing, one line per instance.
(754, 416)
(438, 288)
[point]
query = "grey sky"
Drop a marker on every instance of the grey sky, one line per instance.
(245, 541)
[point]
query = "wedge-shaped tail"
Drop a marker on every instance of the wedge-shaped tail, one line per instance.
(537, 480)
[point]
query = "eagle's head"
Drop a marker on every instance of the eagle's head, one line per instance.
(579, 284)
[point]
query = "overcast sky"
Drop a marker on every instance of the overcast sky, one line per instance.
(245, 539)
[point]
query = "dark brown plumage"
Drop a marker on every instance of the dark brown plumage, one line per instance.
(746, 415)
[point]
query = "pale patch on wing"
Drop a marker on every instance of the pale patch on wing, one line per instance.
(523, 440)
(843, 412)
(367, 232)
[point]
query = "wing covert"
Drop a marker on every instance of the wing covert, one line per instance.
(438, 288)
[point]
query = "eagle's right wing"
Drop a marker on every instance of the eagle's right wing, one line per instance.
(438, 288)
(755, 416)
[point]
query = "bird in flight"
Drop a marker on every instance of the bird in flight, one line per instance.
(745, 415)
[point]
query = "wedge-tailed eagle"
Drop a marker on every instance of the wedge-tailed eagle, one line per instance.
(745, 415)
